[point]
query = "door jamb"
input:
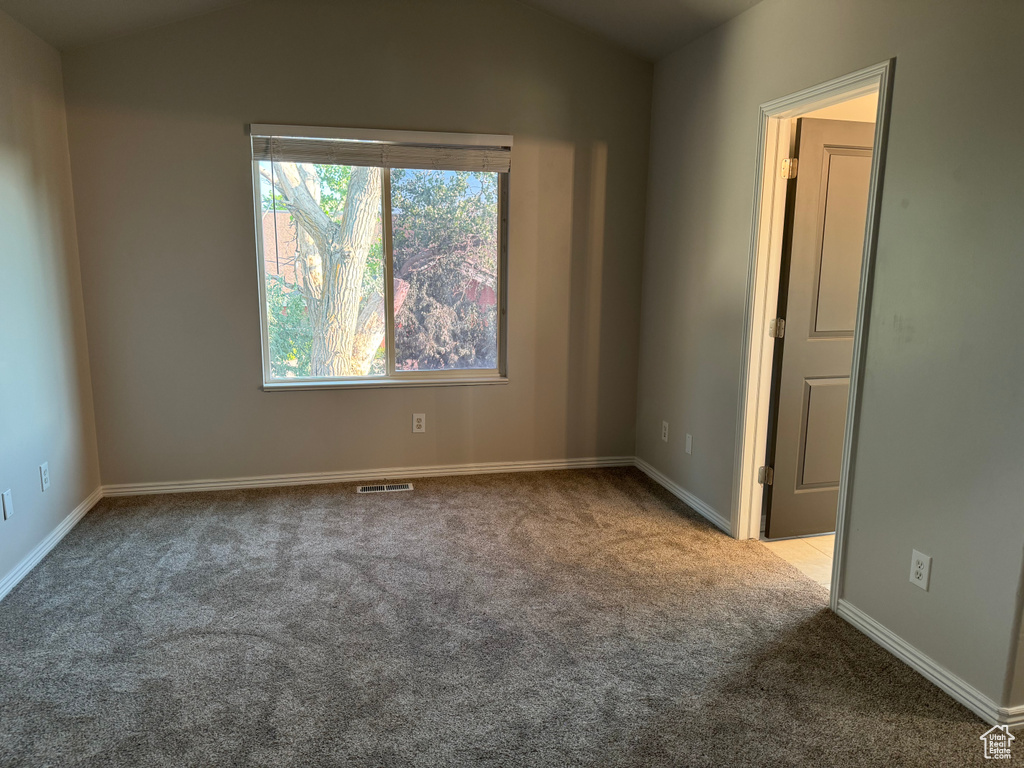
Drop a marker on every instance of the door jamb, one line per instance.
(773, 145)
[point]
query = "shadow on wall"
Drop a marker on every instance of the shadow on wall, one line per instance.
(559, 336)
(45, 391)
(564, 341)
(587, 294)
(39, 258)
(693, 283)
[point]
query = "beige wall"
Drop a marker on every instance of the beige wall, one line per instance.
(162, 180)
(863, 109)
(45, 398)
(939, 459)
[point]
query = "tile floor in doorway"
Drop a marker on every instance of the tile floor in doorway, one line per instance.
(812, 555)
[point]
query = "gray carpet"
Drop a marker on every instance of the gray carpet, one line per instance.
(582, 618)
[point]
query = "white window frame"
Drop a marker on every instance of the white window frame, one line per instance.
(393, 378)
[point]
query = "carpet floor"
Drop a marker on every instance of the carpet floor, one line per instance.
(578, 618)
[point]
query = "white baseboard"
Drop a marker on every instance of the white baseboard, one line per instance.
(705, 509)
(959, 689)
(351, 476)
(31, 560)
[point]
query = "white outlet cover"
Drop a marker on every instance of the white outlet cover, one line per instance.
(44, 474)
(419, 422)
(8, 504)
(920, 570)
(664, 431)
(689, 443)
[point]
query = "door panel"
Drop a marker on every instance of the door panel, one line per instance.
(823, 428)
(818, 292)
(844, 213)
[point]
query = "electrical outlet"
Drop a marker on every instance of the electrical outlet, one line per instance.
(920, 570)
(664, 431)
(44, 475)
(8, 504)
(419, 422)
(689, 443)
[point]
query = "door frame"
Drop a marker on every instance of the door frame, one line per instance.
(774, 144)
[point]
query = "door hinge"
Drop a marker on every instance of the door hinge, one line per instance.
(765, 475)
(789, 168)
(777, 328)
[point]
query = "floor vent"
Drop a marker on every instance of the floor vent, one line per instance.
(384, 488)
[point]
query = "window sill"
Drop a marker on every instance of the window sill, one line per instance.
(384, 383)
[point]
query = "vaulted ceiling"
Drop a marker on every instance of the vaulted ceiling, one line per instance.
(649, 28)
(71, 23)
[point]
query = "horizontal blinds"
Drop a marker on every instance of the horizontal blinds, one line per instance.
(381, 154)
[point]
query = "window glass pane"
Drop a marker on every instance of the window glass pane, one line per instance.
(324, 269)
(445, 244)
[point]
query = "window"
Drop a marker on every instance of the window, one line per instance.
(381, 256)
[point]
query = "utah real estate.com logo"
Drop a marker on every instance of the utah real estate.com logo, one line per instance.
(997, 742)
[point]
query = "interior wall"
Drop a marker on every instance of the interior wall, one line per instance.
(863, 109)
(45, 398)
(938, 458)
(163, 183)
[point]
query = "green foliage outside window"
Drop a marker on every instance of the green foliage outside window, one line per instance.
(445, 251)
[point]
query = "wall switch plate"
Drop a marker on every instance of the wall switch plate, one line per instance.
(664, 431)
(689, 443)
(419, 422)
(920, 570)
(8, 504)
(44, 475)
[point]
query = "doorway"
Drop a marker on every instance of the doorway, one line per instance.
(820, 164)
